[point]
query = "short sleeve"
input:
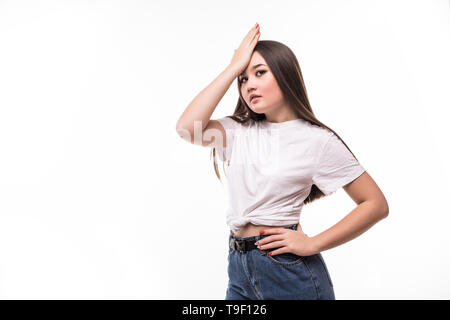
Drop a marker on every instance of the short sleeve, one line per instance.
(230, 127)
(336, 167)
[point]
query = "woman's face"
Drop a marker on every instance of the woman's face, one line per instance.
(260, 81)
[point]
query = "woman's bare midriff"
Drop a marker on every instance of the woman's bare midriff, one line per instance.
(250, 230)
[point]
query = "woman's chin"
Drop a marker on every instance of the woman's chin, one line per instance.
(256, 109)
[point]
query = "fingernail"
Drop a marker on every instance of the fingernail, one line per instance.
(261, 232)
(270, 253)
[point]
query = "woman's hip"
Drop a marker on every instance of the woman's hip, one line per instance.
(282, 276)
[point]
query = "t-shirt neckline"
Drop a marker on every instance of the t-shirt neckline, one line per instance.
(284, 124)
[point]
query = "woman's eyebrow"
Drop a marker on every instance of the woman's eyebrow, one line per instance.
(254, 67)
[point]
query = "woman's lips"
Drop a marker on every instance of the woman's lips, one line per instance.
(255, 99)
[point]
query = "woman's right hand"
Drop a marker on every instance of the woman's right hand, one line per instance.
(243, 54)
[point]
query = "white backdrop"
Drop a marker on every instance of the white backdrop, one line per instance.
(101, 199)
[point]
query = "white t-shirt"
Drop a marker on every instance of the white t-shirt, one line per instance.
(272, 167)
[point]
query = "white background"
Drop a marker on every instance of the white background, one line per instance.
(101, 199)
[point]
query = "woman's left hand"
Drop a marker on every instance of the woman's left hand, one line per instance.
(287, 240)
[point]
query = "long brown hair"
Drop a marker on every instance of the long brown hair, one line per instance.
(286, 70)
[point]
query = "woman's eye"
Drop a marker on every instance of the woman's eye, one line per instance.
(261, 71)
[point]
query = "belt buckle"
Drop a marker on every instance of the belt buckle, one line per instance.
(239, 245)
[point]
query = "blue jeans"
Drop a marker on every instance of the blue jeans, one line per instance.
(254, 275)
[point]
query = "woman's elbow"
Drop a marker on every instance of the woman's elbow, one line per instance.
(384, 208)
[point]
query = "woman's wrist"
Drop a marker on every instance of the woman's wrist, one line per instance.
(314, 245)
(233, 70)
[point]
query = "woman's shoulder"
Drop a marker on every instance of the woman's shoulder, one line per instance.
(317, 130)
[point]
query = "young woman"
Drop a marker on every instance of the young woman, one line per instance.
(279, 157)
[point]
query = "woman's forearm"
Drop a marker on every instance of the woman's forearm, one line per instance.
(203, 105)
(359, 220)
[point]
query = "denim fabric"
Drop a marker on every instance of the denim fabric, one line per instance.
(254, 275)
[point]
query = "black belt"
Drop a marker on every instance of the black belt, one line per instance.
(243, 245)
